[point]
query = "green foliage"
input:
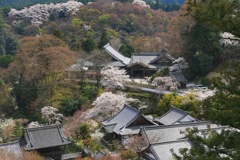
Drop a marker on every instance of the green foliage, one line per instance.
(167, 101)
(83, 132)
(161, 73)
(103, 18)
(17, 130)
(8, 43)
(127, 50)
(6, 10)
(5, 60)
(212, 145)
(104, 39)
(90, 92)
(223, 107)
(169, 7)
(76, 22)
(217, 14)
(73, 148)
(69, 106)
(202, 50)
(191, 105)
(7, 105)
(89, 44)
(94, 147)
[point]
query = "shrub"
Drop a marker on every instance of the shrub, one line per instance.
(128, 154)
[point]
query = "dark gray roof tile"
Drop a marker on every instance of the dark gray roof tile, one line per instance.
(177, 76)
(44, 137)
(172, 116)
(162, 151)
(167, 133)
(117, 122)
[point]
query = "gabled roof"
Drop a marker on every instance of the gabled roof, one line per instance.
(162, 151)
(174, 116)
(116, 55)
(11, 148)
(117, 122)
(116, 64)
(163, 53)
(44, 137)
(177, 76)
(145, 60)
(138, 63)
(167, 133)
(149, 59)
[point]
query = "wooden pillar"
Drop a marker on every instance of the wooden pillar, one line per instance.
(132, 73)
(143, 72)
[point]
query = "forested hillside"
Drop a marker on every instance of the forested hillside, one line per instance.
(41, 45)
(23, 3)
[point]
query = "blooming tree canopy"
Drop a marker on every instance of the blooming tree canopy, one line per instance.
(50, 116)
(107, 103)
(165, 83)
(113, 77)
(228, 39)
(33, 124)
(140, 3)
(41, 12)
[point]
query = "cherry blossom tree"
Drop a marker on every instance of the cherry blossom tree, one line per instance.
(140, 3)
(70, 124)
(107, 104)
(34, 124)
(165, 83)
(228, 39)
(114, 77)
(50, 116)
(41, 12)
(97, 135)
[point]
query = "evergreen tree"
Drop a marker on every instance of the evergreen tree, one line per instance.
(104, 39)
(127, 49)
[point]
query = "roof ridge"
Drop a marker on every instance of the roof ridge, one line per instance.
(178, 109)
(147, 54)
(124, 106)
(170, 110)
(177, 125)
(42, 127)
(132, 108)
(117, 52)
(9, 143)
(168, 142)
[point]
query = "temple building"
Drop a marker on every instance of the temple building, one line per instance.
(49, 141)
(126, 123)
(140, 65)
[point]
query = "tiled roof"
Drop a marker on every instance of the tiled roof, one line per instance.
(12, 148)
(145, 59)
(116, 123)
(177, 76)
(175, 115)
(167, 133)
(116, 55)
(162, 151)
(44, 137)
(71, 156)
(116, 64)
(148, 59)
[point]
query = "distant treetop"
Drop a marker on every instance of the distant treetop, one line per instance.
(18, 4)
